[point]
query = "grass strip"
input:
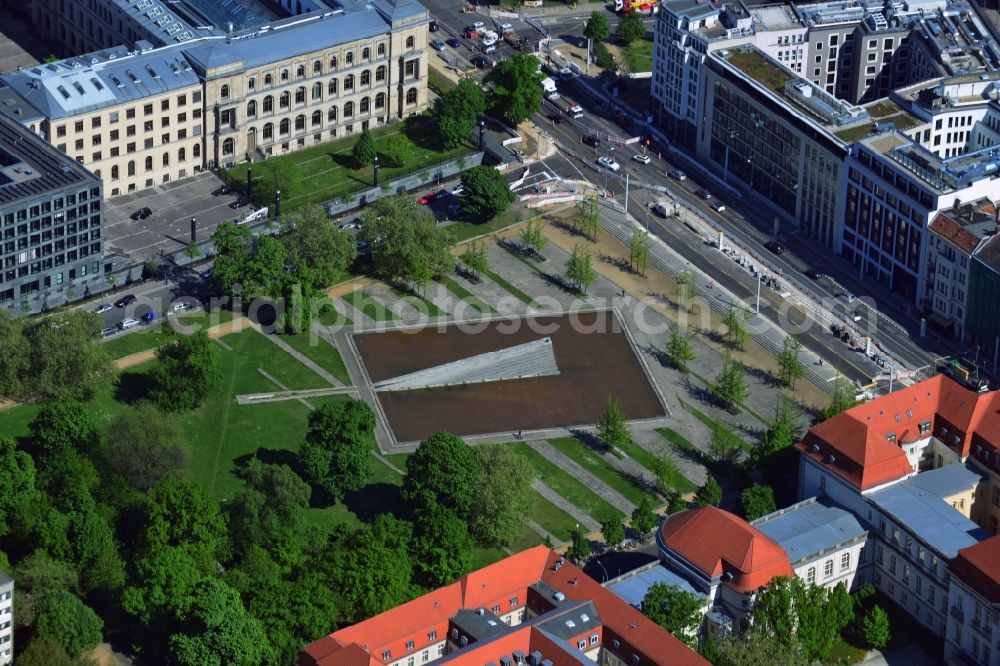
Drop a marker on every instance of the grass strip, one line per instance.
(569, 488)
(368, 306)
(594, 463)
(639, 454)
(507, 286)
(464, 295)
(320, 352)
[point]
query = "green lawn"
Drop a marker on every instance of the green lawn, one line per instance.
(321, 352)
(419, 303)
(328, 171)
(334, 319)
(398, 459)
(638, 56)
(438, 82)
(123, 344)
(507, 286)
(678, 440)
(638, 453)
(252, 350)
(551, 517)
(460, 231)
(571, 489)
(370, 307)
(603, 470)
(464, 295)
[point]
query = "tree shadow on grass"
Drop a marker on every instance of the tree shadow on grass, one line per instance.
(421, 132)
(590, 440)
(132, 387)
(373, 500)
(267, 457)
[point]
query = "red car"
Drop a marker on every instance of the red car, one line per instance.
(427, 198)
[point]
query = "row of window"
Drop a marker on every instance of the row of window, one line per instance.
(130, 113)
(317, 67)
(284, 99)
(165, 161)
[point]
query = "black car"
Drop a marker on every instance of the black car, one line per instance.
(556, 118)
(239, 203)
(591, 140)
(433, 26)
(775, 246)
(813, 274)
(482, 62)
(224, 189)
(125, 301)
(141, 214)
(704, 194)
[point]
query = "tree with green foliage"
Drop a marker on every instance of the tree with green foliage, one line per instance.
(270, 512)
(475, 257)
(486, 193)
(730, 385)
(443, 470)
(842, 398)
(676, 503)
(580, 270)
(638, 252)
(217, 629)
(15, 357)
(397, 150)
(737, 331)
(186, 371)
(676, 610)
(503, 495)
(613, 532)
(182, 514)
(41, 652)
(790, 368)
(781, 433)
(588, 216)
(808, 614)
(685, 288)
(710, 493)
(66, 359)
(364, 148)
(441, 548)
(579, 549)
(757, 647)
(597, 27)
(876, 628)
(532, 237)
(664, 467)
(643, 518)
(63, 619)
(515, 94)
(162, 581)
(631, 28)
(337, 453)
(62, 425)
(143, 445)
(406, 243)
(94, 551)
(314, 242)
(613, 427)
(679, 349)
(757, 501)
(603, 58)
(246, 265)
(456, 112)
(725, 445)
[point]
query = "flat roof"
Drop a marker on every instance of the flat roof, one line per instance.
(691, 9)
(809, 528)
(927, 516)
(633, 589)
(946, 481)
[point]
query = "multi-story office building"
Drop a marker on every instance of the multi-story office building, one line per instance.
(51, 224)
(143, 116)
(6, 619)
(982, 325)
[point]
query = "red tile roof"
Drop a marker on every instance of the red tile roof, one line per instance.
(955, 232)
(979, 568)
(717, 542)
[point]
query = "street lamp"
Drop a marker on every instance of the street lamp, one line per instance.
(375, 166)
(277, 203)
(482, 129)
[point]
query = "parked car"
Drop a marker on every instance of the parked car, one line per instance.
(575, 111)
(490, 48)
(453, 42)
(438, 45)
(556, 118)
(478, 25)
(717, 206)
(641, 158)
(608, 163)
(127, 323)
(148, 316)
(110, 330)
(677, 174)
(141, 214)
(458, 190)
(125, 301)
(591, 140)
(180, 306)
(223, 189)
(427, 198)
(566, 73)
(504, 27)
(239, 203)
(482, 62)
(775, 246)
(102, 308)
(433, 27)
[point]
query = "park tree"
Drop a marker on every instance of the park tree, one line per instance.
(664, 467)
(876, 628)
(486, 193)
(532, 237)
(61, 618)
(842, 398)
(643, 517)
(725, 445)
(475, 257)
(66, 359)
(685, 288)
(397, 150)
(313, 241)
(185, 372)
(364, 148)
(757, 501)
(603, 57)
(441, 547)
(143, 445)
(579, 549)
(246, 265)
(15, 357)
(62, 425)
(597, 27)
(337, 453)
(808, 614)
(405, 242)
(515, 94)
(444, 470)
(613, 531)
(638, 252)
(39, 573)
(757, 647)
(270, 512)
(710, 493)
(579, 268)
(679, 349)
(18, 494)
(631, 28)
(41, 652)
(503, 495)
(782, 431)
(730, 385)
(737, 331)
(588, 216)
(182, 514)
(94, 551)
(456, 112)
(676, 503)
(161, 585)
(790, 368)
(676, 610)
(613, 427)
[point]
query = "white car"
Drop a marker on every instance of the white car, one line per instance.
(102, 308)
(439, 45)
(478, 25)
(641, 158)
(608, 163)
(566, 73)
(457, 190)
(504, 27)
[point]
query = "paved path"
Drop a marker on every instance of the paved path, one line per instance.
(542, 532)
(283, 387)
(690, 467)
(633, 470)
(575, 470)
(567, 506)
(304, 360)
(278, 396)
(388, 463)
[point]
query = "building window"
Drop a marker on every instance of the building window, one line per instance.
(845, 561)
(285, 100)
(349, 82)
(409, 645)
(349, 58)
(268, 104)
(228, 147)
(380, 50)
(364, 106)
(811, 575)
(380, 73)
(409, 43)
(582, 644)
(593, 639)
(349, 110)
(333, 62)
(513, 602)
(380, 101)
(317, 67)
(411, 96)
(366, 53)
(300, 95)
(828, 569)
(224, 92)
(331, 115)
(993, 524)
(386, 655)
(300, 72)
(366, 78)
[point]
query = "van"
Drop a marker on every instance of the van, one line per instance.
(127, 323)
(575, 112)
(662, 208)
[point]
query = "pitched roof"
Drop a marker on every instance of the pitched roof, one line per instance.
(978, 567)
(964, 227)
(716, 542)
(810, 527)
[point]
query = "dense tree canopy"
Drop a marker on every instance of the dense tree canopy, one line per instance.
(314, 243)
(674, 609)
(455, 112)
(62, 425)
(810, 615)
(443, 471)
(18, 494)
(405, 242)
(516, 93)
(597, 27)
(63, 619)
(757, 501)
(337, 454)
(441, 547)
(486, 193)
(186, 370)
(503, 495)
(66, 360)
(143, 446)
